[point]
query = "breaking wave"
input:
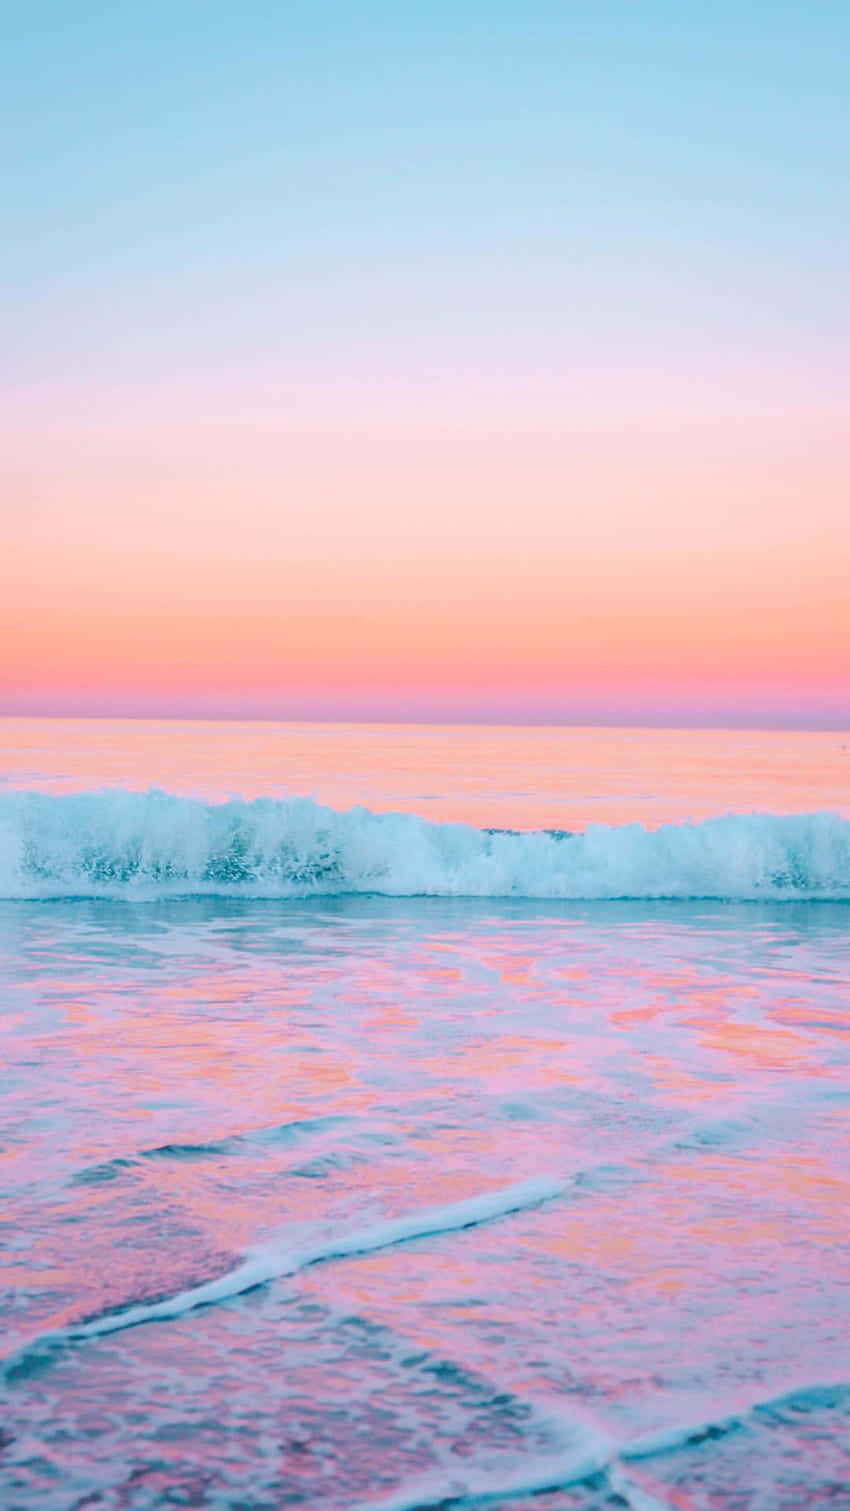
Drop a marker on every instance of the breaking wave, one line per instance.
(152, 845)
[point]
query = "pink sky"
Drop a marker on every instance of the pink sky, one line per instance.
(658, 551)
(442, 362)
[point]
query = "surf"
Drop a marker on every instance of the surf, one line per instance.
(277, 1262)
(152, 845)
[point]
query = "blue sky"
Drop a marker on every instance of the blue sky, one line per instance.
(500, 347)
(585, 164)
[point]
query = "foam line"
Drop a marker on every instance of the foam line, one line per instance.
(806, 1396)
(588, 1451)
(150, 845)
(800, 1397)
(580, 1450)
(272, 1263)
(589, 1456)
(680, 1435)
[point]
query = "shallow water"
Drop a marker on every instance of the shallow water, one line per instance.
(354, 1200)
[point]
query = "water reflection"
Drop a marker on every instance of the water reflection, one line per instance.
(184, 1082)
(505, 777)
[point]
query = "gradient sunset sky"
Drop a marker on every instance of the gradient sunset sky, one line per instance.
(426, 360)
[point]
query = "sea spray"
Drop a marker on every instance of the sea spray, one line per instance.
(151, 845)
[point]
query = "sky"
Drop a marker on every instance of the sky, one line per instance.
(426, 361)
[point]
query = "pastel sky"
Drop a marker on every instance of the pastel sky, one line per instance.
(426, 360)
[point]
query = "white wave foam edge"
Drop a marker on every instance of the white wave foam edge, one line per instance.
(272, 1263)
(591, 1454)
(151, 845)
(581, 1450)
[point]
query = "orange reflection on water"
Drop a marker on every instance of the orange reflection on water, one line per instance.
(771, 1048)
(510, 776)
(274, 1074)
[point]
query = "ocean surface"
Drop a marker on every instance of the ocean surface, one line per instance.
(403, 1117)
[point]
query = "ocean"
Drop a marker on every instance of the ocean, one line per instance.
(404, 1117)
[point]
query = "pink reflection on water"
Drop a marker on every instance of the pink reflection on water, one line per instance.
(418, 1045)
(513, 777)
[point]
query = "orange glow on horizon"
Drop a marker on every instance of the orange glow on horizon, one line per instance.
(546, 565)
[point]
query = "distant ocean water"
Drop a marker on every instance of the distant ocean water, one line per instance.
(403, 1117)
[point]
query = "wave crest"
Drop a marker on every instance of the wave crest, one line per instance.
(151, 845)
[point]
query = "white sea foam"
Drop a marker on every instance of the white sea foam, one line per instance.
(274, 1261)
(801, 1397)
(559, 1451)
(152, 845)
(529, 1474)
(580, 1450)
(680, 1435)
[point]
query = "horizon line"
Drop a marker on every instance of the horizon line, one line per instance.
(662, 724)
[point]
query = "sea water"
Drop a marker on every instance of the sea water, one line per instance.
(406, 1117)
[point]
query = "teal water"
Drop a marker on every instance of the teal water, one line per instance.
(357, 1200)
